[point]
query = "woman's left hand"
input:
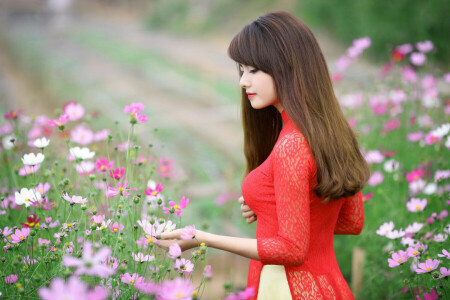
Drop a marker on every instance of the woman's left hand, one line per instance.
(165, 240)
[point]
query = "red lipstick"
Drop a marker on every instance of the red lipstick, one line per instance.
(250, 95)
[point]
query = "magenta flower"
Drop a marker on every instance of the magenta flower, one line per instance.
(178, 288)
(116, 227)
(164, 169)
(397, 259)
(43, 188)
(20, 235)
(390, 125)
(117, 173)
(188, 232)
(121, 190)
(183, 266)
(11, 278)
(428, 266)
(177, 207)
(416, 204)
(140, 118)
(154, 191)
(74, 288)
(207, 273)
(414, 175)
(247, 293)
(444, 272)
(431, 296)
(140, 257)
(376, 178)
(111, 262)
(174, 251)
(133, 108)
(90, 263)
(103, 165)
(131, 279)
(74, 110)
(431, 139)
(60, 122)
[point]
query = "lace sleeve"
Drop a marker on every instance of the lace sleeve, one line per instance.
(351, 216)
(291, 171)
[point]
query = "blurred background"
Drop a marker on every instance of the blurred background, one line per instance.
(171, 56)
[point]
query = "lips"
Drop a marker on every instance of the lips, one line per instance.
(250, 95)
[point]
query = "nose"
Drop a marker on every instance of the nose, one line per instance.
(244, 81)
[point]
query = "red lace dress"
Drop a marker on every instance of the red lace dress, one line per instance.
(294, 227)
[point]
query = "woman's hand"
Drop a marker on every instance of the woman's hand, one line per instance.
(246, 211)
(165, 240)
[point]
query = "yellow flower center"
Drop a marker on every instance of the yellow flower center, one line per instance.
(400, 261)
(59, 124)
(132, 281)
(41, 191)
(31, 224)
(121, 189)
(418, 207)
(102, 227)
(115, 229)
(22, 237)
(415, 253)
(428, 269)
(176, 206)
(27, 200)
(149, 240)
(179, 295)
(69, 225)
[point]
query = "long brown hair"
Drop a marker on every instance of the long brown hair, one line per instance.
(282, 46)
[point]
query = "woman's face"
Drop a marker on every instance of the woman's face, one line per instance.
(260, 87)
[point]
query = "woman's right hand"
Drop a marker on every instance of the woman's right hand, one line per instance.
(246, 211)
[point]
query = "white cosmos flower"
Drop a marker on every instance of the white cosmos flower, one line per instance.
(430, 188)
(26, 196)
(391, 165)
(82, 153)
(442, 130)
(395, 234)
(8, 141)
(32, 159)
(41, 143)
(414, 227)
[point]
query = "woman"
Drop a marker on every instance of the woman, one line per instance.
(304, 168)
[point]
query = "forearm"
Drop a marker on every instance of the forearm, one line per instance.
(241, 246)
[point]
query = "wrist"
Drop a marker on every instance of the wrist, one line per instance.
(206, 237)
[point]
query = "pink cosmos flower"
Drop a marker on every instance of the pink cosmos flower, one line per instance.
(412, 252)
(445, 254)
(444, 272)
(43, 242)
(117, 173)
(20, 235)
(374, 156)
(148, 288)
(405, 48)
(116, 227)
(367, 197)
(385, 228)
(85, 168)
(133, 108)
(82, 135)
(440, 237)
(131, 279)
(164, 169)
(183, 266)
(74, 110)
(247, 293)
(90, 263)
(174, 251)
(413, 228)
(103, 164)
(11, 278)
(408, 74)
(428, 266)
(74, 288)
(178, 208)
(379, 104)
(414, 175)
(140, 257)
(336, 77)
(415, 136)
(12, 114)
(441, 175)
(417, 58)
(431, 139)
(140, 118)
(207, 273)
(343, 62)
(376, 178)
(121, 190)
(27, 170)
(101, 135)
(42, 188)
(178, 288)
(74, 199)
(188, 232)
(111, 262)
(431, 296)
(442, 215)
(425, 46)
(428, 82)
(154, 192)
(390, 125)
(60, 122)
(417, 186)
(416, 204)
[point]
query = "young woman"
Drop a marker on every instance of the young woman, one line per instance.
(304, 168)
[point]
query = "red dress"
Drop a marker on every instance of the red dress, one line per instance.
(294, 227)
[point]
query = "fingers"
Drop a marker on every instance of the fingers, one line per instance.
(241, 200)
(251, 219)
(245, 208)
(248, 214)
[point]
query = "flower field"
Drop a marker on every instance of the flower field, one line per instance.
(81, 209)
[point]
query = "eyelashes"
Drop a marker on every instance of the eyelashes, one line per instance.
(252, 71)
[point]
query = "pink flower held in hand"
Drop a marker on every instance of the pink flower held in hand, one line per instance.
(133, 108)
(117, 173)
(60, 122)
(103, 165)
(183, 266)
(416, 204)
(20, 235)
(131, 279)
(428, 266)
(121, 190)
(188, 232)
(445, 254)
(90, 263)
(376, 178)
(177, 208)
(11, 278)
(116, 227)
(174, 251)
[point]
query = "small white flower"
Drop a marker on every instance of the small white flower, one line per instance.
(140, 257)
(395, 234)
(27, 197)
(407, 241)
(413, 228)
(32, 159)
(447, 142)
(82, 153)
(430, 188)
(41, 143)
(374, 156)
(391, 165)
(8, 141)
(385, 228)
(440, 237)
(442, 130)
